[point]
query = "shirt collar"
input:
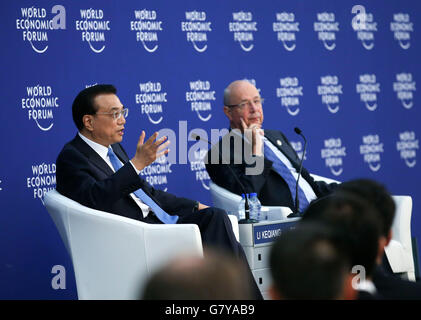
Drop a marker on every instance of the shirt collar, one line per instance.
(99, 148)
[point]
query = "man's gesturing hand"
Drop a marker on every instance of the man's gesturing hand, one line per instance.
(148, 152)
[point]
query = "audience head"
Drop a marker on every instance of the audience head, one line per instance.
(377, 195)
(358, 223)
(217, 276)
(308, 262)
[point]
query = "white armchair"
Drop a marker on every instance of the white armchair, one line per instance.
(229, 201)
(113, 256)
(399, 250)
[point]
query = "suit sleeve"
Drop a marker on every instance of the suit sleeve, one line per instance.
(223, 176)
(76, 181)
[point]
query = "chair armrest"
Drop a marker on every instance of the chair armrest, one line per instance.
(234, 223)
(397, 257)
(325, 179)
(399, 251)
(170, 241)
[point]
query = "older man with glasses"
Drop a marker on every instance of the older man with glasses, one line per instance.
(94, 170)
(263, 160)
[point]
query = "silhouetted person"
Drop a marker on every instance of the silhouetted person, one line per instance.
(308, 262)
(388, 285)
(217, 276)
(354, 218)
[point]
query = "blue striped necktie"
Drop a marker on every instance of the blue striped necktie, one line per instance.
(286, 174)
(161, 214)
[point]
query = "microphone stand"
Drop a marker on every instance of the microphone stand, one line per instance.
(296, 212)
(247, 218)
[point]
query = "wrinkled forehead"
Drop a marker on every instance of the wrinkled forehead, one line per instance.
(243, 90)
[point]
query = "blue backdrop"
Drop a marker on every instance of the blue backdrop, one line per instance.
(346, 78)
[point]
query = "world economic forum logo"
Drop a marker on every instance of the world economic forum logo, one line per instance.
(330, 91)
(147, 26)
(286, 28)
(333, 154)
(196, 28)
(93, 27)
(40, 104)
(151, 100)
(36, 22)
(405, 87)
(371, 150)
(290, 93)
(243, 28)
(326, 28)
(368, 88)
(364, 25)
(407, 146)
(402, 27)
(201, 96)
(42, 179)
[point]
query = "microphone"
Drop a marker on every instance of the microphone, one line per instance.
(246, 205)
(296, 212)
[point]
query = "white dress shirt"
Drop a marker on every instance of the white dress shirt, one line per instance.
(103, 153)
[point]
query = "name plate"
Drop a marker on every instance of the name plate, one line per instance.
(269, 232)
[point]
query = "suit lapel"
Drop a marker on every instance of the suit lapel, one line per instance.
(279, 141)
(90, 153)
(96, 159)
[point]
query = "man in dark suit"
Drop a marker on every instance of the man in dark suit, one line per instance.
(94, 170)
(263, 160)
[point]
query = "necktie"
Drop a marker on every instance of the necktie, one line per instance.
(286, 174)
(161, 214)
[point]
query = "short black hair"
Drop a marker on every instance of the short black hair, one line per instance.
(317, 207)
(308, 262)
(84, 102)
(358, 221)
(377, 195)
